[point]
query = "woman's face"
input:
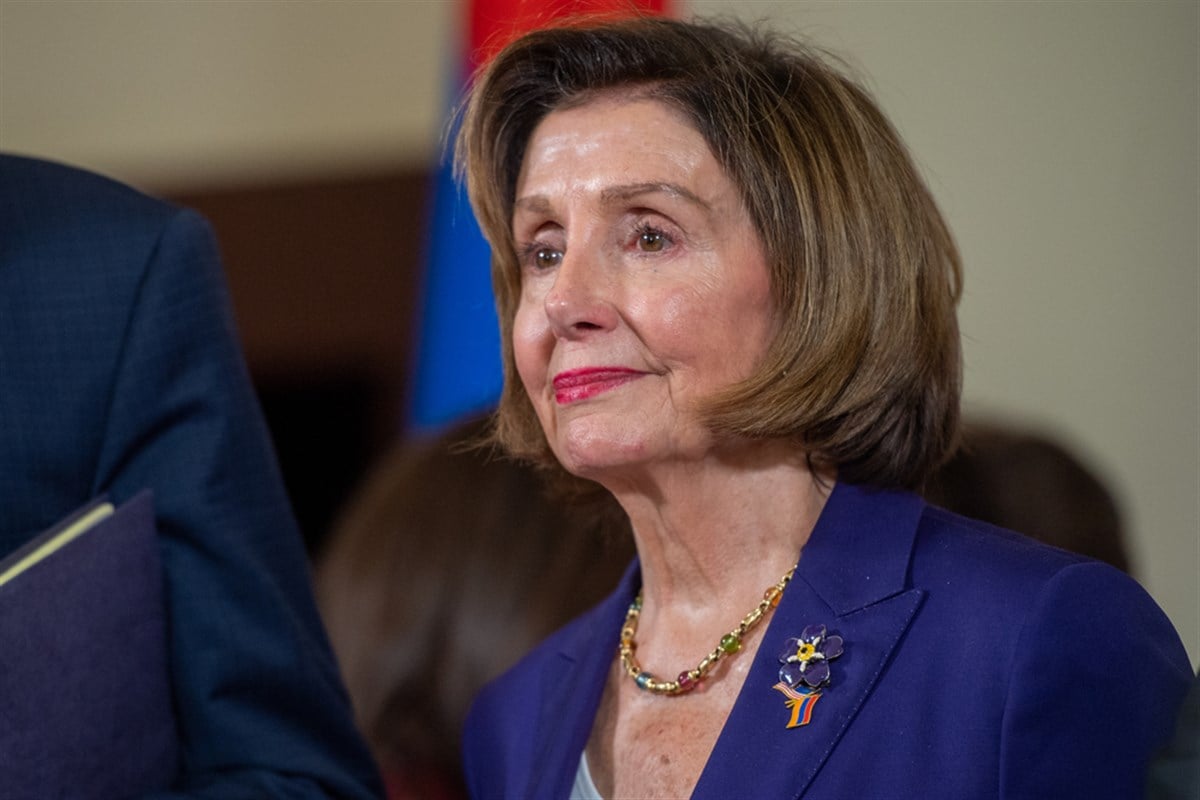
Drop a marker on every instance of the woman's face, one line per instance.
(644, 285)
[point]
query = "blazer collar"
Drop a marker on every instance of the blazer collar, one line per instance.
(851, 577)
(575, 681)
(859, 551)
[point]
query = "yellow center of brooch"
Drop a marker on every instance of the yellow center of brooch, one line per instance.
(805, 651)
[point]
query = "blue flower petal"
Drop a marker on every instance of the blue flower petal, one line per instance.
(817, 673)
(833, 646)
(791, 674)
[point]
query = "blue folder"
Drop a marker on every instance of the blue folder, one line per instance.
(85, 695)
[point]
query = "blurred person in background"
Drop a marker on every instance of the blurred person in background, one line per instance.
(1028, 482)
(449, 564)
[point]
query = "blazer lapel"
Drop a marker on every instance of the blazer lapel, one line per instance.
(852, 579)
(573, 686)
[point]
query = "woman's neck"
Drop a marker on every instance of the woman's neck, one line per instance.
(711, 536)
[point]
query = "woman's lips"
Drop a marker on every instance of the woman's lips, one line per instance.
(580, 384)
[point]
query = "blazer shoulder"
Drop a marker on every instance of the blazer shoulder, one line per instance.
(66, 227)
(47, 202)
(1034, 588)
(979, 579)
(39, 184)
(948, 541)
(1094, 654)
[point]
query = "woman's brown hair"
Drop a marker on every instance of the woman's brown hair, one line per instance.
(865, 371)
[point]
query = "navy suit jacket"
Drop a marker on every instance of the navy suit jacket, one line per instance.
(120, 371)
(977, 664)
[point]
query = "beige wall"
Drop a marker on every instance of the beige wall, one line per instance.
(179, 93)
(1061, 138)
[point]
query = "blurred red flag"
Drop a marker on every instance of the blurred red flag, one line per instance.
(494, 23)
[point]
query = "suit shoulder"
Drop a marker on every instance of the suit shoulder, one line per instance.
(946, 540)
(1003, 575)
(37, 192)
(66, 227)
(999, 574)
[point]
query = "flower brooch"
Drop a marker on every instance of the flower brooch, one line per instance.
(805, 671)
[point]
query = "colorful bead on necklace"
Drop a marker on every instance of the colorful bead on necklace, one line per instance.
(689, 679)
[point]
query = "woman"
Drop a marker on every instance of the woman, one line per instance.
(728, 299)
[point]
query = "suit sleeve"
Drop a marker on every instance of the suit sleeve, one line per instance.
(261, 708)
(1096, 683)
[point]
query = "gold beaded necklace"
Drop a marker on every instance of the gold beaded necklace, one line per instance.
(689, 679)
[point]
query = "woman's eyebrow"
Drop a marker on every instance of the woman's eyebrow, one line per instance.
(617, 195)
(535, 203)
(626, 192)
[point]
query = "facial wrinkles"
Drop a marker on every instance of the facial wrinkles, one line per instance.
(583, 185)
(653, 299)
(560, 163)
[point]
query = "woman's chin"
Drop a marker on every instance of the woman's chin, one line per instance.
(594, 454)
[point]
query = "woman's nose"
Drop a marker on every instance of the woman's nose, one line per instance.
(580, 301)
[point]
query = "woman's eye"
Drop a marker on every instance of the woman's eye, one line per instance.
(546, 257)
(651, 240)
(540, 256)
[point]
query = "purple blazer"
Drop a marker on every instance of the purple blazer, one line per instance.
(977, 663)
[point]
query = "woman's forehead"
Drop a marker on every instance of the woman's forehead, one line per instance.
(612, 148)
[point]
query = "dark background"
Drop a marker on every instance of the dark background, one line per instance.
(325, 278)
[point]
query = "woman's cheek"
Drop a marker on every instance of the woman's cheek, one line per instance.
(530, 350)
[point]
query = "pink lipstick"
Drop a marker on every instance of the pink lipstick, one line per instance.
(580, 384)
